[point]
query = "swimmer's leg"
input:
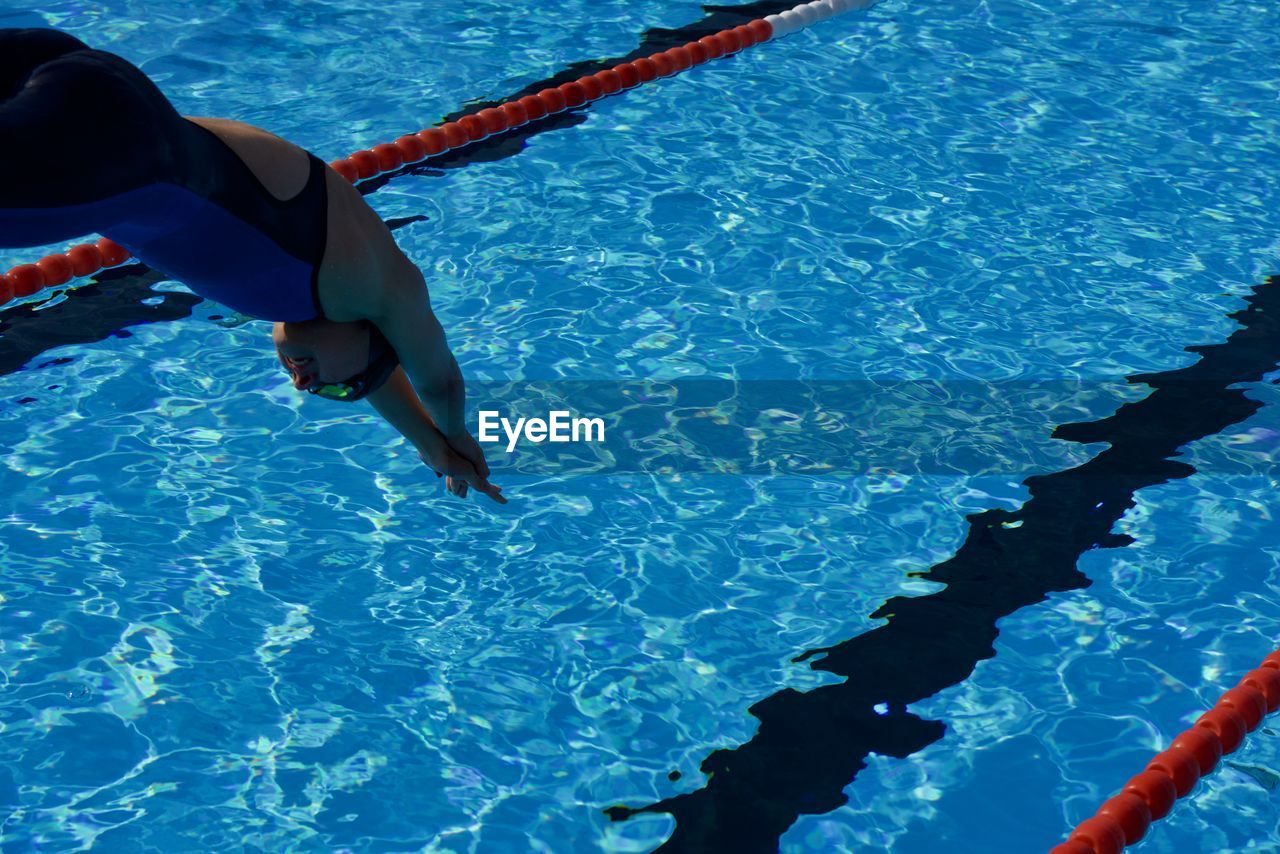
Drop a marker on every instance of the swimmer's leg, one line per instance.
(77, 127)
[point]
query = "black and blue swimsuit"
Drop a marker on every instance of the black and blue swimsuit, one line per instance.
(91, 145)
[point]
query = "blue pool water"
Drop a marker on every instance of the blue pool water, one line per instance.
(235, 619)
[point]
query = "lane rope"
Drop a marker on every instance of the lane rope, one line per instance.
(1150, 795)
(86, 259)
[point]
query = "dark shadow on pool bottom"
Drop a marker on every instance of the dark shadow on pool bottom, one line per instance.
(811, 745)
(102, 309)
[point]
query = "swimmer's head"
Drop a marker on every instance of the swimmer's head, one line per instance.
(340, 361)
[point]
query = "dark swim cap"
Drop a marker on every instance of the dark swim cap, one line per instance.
(383, 359)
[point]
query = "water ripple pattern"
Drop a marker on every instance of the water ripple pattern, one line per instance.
(233, 617)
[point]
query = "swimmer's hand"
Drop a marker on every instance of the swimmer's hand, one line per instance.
(460, 473)
(466, 446)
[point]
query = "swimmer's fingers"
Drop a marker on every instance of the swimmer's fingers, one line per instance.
(459, 486)
(456, 486)
(483, 485)
(461, 475)
(467, 476)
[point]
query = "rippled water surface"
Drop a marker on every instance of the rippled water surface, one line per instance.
(233, 617)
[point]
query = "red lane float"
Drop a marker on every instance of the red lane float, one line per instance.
(85, 259)
(1149, 796)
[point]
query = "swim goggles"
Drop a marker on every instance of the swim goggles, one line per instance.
(366, 382)
(347, 390)
(382, 363)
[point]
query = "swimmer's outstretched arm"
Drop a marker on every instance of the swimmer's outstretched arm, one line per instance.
(403, 314)
(396, 401)
(366, 276)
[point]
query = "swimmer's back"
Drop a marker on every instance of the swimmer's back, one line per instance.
(277, 164)
(104, 151)
(358, 246)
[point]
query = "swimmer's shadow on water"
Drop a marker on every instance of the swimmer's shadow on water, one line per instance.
(101, 309)
(811, 745)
